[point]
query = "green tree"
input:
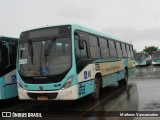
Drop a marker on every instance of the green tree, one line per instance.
(150, 49)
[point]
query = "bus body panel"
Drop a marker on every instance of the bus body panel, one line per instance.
(11, 90)
(8, 85)
(2, 88)
(10, 77)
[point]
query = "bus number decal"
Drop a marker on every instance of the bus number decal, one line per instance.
(81, 89)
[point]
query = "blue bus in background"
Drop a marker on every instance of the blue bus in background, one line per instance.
(155, 56)
(68, 62)
(142, 58)
(8, 53)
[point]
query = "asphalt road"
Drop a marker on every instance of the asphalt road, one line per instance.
(141, 96)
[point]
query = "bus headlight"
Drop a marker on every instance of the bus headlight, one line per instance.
(68, 83)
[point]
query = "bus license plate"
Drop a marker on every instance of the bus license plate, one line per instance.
(42, 98)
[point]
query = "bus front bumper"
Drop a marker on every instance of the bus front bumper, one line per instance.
(155, 63)
(70, 93)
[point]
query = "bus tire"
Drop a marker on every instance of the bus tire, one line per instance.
(96, 92)
(120, 83)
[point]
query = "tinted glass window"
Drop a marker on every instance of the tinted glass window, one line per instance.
(13, 53)
(103, 43)
(4, 57)
(131, 49)
(111, 44)
(56, 54)
(94, 48)
(93, 41)
(104, 48)
(80, 54)
(128, 51)
(0, 56)
(119, 49)
(124, 50)
(112, 48)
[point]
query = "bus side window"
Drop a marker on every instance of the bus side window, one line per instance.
(94, 48)
(4, 61)
(0, 56)
(104, 48)
(128, 51)
(112, 48)
(13, 54)
(131, 49)
(124, 50)
(80, 54)
(119, 49)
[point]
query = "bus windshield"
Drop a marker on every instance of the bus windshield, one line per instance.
(45, 57)
(156, 55)
(140, 57)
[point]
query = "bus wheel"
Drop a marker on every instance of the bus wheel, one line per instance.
(96, 92)
(120, 83)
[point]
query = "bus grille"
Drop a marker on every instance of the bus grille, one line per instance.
(49, 95)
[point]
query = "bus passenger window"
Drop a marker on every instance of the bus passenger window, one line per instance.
(128, 51)
(131, 49)
(80, 54)
(119, 49)
(104, 48)
(94, 48)
(124, 50)
(13, 54)
(4, 60)
(112, 49)
(0, 56)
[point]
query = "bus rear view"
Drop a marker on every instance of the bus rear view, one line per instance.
(45, 64)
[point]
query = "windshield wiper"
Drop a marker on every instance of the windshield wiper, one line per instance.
(30, 50)
(49, 47)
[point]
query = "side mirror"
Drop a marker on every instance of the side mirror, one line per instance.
(80, 41)
(81, 44)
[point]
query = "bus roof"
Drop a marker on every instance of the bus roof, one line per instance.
(2, 38)
(85, 29)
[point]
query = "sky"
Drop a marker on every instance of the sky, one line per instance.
(133, 21)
